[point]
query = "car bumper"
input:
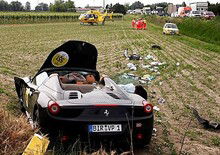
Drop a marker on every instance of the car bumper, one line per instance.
(80, 126)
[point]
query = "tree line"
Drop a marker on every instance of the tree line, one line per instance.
(119, 8)
(69, 6)
(57, 6)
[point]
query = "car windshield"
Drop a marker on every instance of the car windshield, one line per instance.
(195, 12)
(171, 26)
(210, 13)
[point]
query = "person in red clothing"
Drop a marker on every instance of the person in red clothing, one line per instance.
(139, 24)
(144, 24)
(133, 23)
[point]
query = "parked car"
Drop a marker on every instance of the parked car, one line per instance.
(195, 14)
(208, 15)
(67, 95)
(170, 28)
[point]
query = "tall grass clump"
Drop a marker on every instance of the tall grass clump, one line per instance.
(15, 133)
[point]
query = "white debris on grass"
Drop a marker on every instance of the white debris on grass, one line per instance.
(177, 64)
(131, 66)
(161, 100)
(156, 108)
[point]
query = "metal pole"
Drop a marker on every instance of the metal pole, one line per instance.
(103, 4)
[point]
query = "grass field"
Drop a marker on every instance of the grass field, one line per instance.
(205, 30)
(194, 82)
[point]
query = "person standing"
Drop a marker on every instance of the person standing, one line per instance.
(133, 23)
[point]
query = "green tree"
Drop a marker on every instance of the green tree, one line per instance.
(118, 8)
(137, 5)
(184, 4)
(62, 6)
(4, 6)
(27, 6)
(16, 6)
(42, 7)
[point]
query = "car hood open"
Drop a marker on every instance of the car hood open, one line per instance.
(72, 54)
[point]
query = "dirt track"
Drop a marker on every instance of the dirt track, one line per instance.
(194, 82)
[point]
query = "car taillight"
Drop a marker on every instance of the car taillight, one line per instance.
(148, 108)
(139, 136)
(54, 108)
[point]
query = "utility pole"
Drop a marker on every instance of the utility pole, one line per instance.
(103, 4)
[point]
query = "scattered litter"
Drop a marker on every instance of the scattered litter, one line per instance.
(161, 101)
(154, 132)
(148, 77)
(177, 64)
(153, 94)
(207, 124)
(149, 57)
(159, 121)
(145, 66)
(134, 56)
(126, 53)
(160, 83)
(37, 146)
(142, 81)
(130, 88)
(156, 47)
(156, 108)
(131, 66)
(154, 63)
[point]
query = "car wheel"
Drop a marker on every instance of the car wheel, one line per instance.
(38, 121)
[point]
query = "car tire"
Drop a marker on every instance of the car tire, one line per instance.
(38, 121)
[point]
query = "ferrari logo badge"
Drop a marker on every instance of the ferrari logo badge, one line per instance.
(106, 113)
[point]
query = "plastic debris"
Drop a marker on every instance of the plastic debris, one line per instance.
(207, 124)
(149, 57)
(177, 64)
(148, 77)
(160, 83)
(156, 108)
(156, 47)
(130, 88)
(161, 101)
(154, 132)
(126, 53)
(131, 66)
(134, 56)
(37, 146)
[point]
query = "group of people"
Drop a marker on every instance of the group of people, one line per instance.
(139, 24)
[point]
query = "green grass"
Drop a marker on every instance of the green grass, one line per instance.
(26, 46)
(204, 30)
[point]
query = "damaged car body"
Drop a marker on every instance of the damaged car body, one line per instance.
(68, 95)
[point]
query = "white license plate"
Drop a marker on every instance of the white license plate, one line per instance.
(105, 128)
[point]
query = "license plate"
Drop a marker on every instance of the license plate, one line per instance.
(105, 128)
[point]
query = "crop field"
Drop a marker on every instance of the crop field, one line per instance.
(41, 17)
(190, 77)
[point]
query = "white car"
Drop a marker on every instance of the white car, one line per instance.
(195, 14)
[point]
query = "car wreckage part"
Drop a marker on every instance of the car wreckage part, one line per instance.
(207, 124)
